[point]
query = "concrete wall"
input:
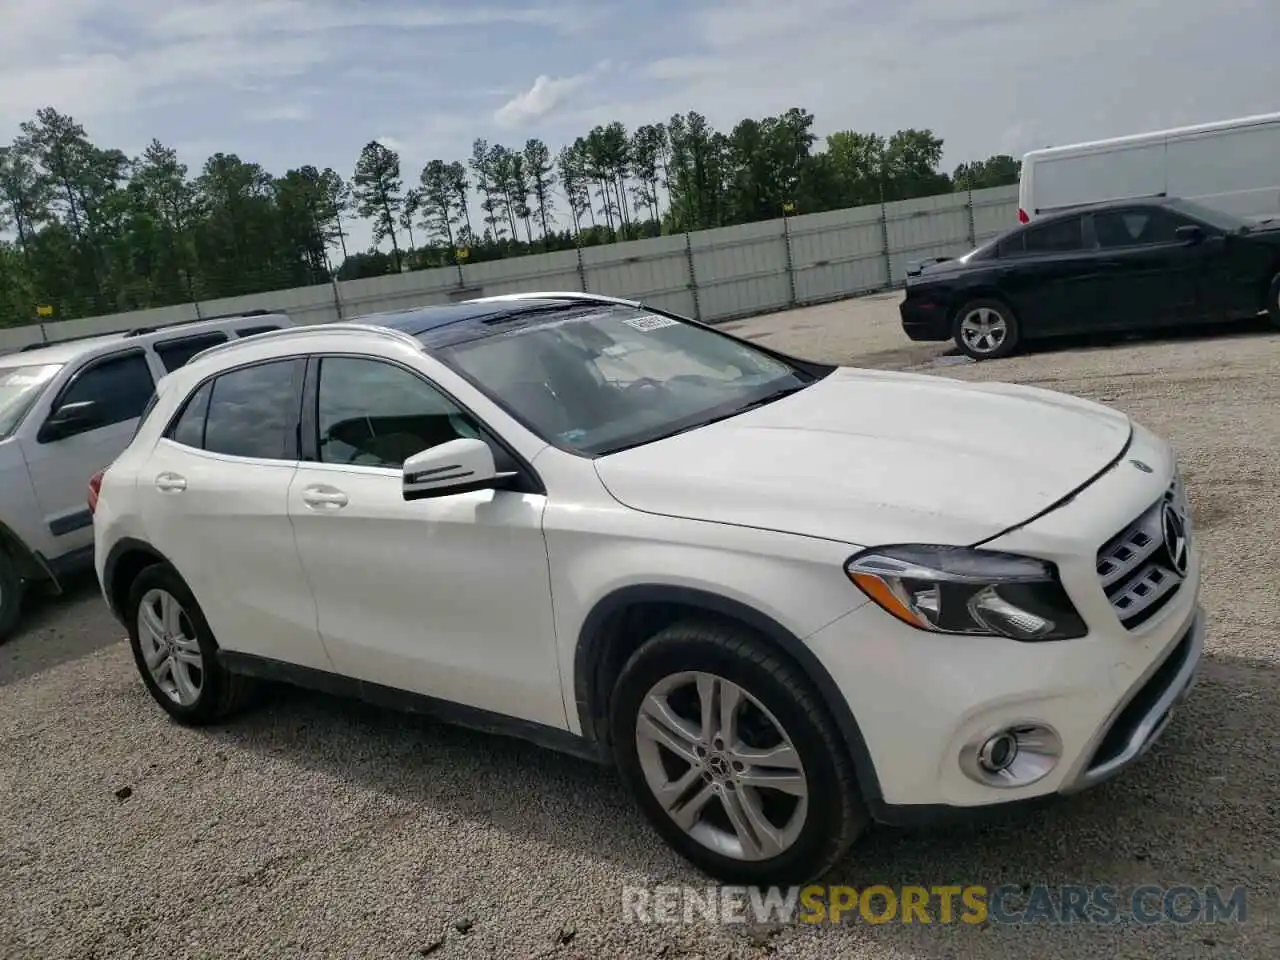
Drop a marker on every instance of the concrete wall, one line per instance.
(712, 275)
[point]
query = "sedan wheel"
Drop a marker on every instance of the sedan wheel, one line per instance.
(169, 647)
(722, 766)
(985, 330)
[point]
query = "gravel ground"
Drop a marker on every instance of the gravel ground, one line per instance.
(317, 828)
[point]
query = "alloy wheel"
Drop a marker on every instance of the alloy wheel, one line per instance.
(722, 766)
(169, 647)
(984, 330)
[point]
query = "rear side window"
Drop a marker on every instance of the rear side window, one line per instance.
(175, 353)
(120, 388)
(1060, 236)
(253, 411)
(254, 331)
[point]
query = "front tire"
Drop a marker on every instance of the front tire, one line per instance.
(1273, 300)
(176, 653)
(11, 591)
(733, 758)
(985, 330)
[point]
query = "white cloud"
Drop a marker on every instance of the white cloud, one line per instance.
(545, 96)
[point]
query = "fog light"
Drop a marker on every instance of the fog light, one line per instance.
(1014, 756)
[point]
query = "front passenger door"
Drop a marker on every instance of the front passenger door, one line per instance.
(119, 387)
(1148, 277)
(447, 597)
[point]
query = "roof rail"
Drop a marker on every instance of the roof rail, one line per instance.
(139, 331)
(318, 329)
(54, 343)
(558, 295)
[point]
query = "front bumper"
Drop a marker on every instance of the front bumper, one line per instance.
(921, 701)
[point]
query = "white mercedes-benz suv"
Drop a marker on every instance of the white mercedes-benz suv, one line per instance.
(783, 598)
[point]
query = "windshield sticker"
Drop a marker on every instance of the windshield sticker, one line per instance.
(650, 322)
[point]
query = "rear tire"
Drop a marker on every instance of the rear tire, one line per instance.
(986, 329)
(176, 653)
(12, 589)
(710, 772)
(1273, 300)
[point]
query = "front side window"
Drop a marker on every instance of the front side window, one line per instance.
(597, 380)
(119, 387)
(1138, 227)
(375, 414)
(20, 388)
(253, 411)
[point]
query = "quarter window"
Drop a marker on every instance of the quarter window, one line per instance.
(374, 414)
(253, 411)
(119, 387)
(189, 427)
(175, 353)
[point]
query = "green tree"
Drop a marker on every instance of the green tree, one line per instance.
(541, 177)
(376, 189)
(999, 170)
(439, 204)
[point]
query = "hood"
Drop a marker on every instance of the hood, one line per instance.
(870, 457)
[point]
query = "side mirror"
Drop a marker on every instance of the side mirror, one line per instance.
(459, 466)
(70, 419)
(1189, 233)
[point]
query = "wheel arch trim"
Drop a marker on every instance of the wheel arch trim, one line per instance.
(121, 548)
(591, 652)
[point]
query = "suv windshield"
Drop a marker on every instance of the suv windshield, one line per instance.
(20, 387)
(601, 379)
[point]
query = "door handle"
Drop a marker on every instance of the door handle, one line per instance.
(324, 498)
(170, 483)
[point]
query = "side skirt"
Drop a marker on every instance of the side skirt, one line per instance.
(472, 718)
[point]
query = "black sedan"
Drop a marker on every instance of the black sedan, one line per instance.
(1124, 265)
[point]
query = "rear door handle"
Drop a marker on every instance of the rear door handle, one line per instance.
(170, 483)
(323, 497)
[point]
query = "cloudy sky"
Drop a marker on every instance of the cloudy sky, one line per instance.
(287, 82)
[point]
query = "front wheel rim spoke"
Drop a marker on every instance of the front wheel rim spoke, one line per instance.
(757, 835)
(658, 724)
(687, 814)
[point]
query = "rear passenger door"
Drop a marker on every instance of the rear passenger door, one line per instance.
(215, 492)
(60, 465)
(1047, 273)
(1147, 276)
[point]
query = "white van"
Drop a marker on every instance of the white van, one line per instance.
(1231, 165)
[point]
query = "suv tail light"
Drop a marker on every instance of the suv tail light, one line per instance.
(1022, 216)
(95, 486)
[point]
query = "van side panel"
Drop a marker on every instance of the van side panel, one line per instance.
(1235, 171)
(1104, 173)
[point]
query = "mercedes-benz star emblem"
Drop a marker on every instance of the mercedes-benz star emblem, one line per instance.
(1141, 466)
(1175, 538)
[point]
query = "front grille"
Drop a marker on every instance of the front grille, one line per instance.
(1143, 566)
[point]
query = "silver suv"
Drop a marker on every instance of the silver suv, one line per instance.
(67, 409)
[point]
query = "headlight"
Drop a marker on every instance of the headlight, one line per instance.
(959, 590)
